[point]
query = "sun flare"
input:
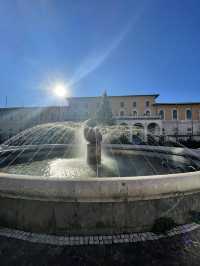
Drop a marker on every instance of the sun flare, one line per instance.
(60, 90)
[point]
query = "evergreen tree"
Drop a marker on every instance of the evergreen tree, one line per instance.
(104, 113)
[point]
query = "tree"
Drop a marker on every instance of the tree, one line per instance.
(104, 113)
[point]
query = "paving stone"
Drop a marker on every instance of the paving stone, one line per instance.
(93, 240)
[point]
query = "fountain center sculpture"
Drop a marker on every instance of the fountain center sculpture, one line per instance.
(94, 139)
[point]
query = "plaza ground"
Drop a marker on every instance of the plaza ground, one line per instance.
(183, 249)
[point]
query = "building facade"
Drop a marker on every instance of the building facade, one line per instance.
(133, 111)
(144, 112)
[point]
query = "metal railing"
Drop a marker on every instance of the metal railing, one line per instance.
(143, 117)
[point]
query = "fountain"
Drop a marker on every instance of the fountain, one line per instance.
(41, 170)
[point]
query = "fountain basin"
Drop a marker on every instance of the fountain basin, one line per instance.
(104, 205)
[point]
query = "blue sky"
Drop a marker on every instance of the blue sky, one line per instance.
(125, 47)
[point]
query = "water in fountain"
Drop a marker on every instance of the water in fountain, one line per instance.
(59, 149)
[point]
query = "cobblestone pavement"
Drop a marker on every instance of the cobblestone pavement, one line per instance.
(94, 239)
(177, 249)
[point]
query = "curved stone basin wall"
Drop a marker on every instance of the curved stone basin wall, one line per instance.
(97, 205)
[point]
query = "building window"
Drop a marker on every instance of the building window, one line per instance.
(147, 103)
(134, 113)
(121, 113)
(188, 114)
(148, 113)
(121, 104)
(86, 105)
(161, 114)
(174, 114)
(134, 104)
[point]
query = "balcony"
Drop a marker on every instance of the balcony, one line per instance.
(142, 117)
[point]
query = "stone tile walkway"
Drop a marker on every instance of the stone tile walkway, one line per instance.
(181, 247)
(94, 239)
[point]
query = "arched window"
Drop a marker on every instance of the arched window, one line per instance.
(188, 114)
(161, 114)
(121, 113)
(148, 113)
(174, 114)
(134, 113)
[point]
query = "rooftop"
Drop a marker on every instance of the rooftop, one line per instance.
(130, 95)
(178, 103)
(32, 107)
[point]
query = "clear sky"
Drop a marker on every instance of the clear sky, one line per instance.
(125, 47)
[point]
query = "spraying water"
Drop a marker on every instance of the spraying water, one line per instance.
(73, 150)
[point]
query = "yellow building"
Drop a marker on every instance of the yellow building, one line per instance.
(141, 111)
(127, 105)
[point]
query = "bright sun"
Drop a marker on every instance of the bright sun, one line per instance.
(60, 90)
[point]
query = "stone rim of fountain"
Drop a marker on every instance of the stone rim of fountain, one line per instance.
(161, 188)
(50, 199)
